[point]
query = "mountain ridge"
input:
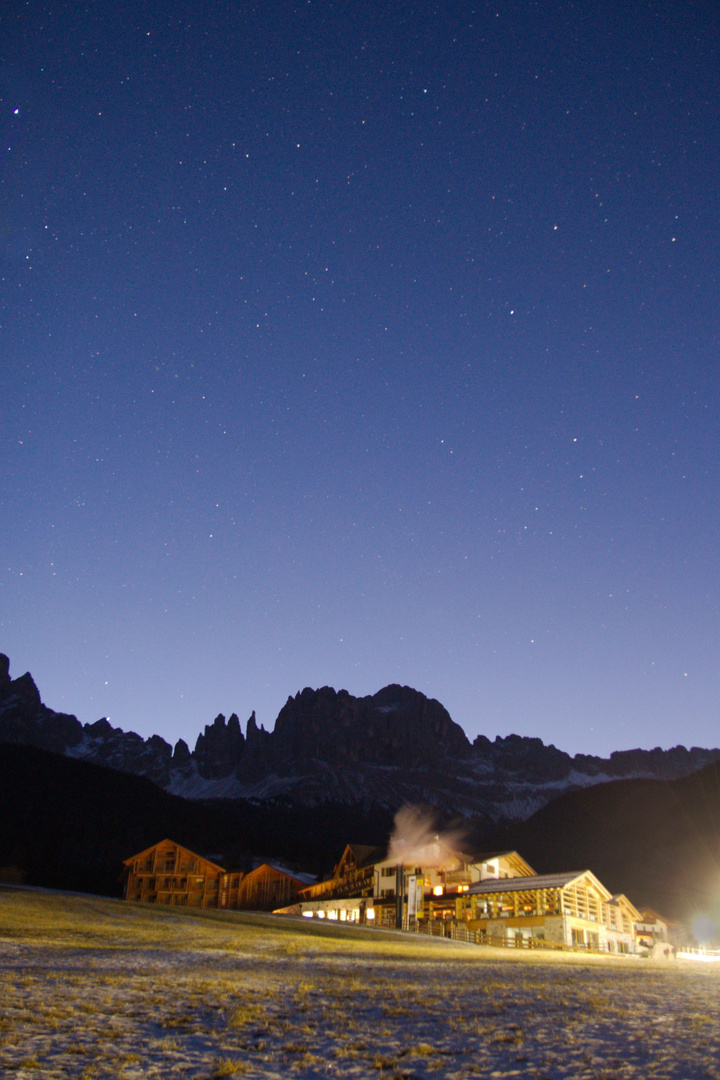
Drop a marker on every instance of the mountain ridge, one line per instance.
(394, 746)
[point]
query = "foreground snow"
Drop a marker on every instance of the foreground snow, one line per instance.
(92, 988)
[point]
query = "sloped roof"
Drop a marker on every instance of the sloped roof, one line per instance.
(365, 854)
(536, 881)
(295, 875)
(650, 915)
(484, 856)
(621, 898)
(446, 853)
(166, 840)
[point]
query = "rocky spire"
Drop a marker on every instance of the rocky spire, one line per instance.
(218, 750)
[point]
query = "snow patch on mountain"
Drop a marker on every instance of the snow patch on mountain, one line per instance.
(393, 747)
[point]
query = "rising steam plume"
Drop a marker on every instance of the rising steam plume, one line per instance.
(416, 840)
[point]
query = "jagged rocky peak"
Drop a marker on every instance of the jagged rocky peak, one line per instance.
(530, 759)
(396, 726)
(259, 756)
(26, 721)
(405, 702)
(22, 689)
(25, 690)
(394, 746)
(219, 748)
(525, 755)
(159, 745)
(253, 732)
(181, 754)
(100, 729)
(668, 764)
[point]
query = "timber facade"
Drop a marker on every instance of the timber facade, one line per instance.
(354, 876)
(269, 887)
(572, 909)
(494, 898)
(168, 873)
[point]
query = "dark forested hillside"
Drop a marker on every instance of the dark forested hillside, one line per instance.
(658, 841)
(69, 824)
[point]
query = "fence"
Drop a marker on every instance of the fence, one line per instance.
(457, 931)
(700, 953)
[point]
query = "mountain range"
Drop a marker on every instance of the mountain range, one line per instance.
(393, 747)
(78, 799)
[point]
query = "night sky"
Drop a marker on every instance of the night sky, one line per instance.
(355, 343)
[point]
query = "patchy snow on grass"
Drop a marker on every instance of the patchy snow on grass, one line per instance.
(93, 988)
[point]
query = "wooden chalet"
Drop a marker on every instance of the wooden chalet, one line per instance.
(620, 916)
(497, 895)
(168, 873)
(352, 877)
(365, 888)
(269, 887)
(443, 876)
(573, 909)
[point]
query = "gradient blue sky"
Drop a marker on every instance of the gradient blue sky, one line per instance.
(351, 344)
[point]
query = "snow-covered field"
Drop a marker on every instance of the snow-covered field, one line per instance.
(96, 988)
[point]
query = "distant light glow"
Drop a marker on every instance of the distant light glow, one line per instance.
(704, 929)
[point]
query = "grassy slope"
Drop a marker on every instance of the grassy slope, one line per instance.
(95, 989)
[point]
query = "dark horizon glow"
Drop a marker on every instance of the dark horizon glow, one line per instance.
(356, 345)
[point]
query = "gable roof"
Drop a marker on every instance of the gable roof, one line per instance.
(511, 856)
(300, 878)
(187, 851)
(365, 854)
(536, 881)
(650, 915)
(621, 898)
